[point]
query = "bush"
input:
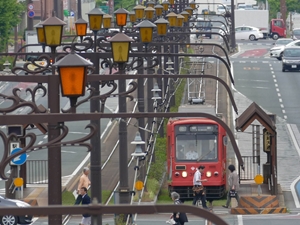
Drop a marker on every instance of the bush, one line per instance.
(3, 59)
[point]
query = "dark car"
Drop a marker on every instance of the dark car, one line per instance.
(291, 58)
(296, 33)
(11, 219)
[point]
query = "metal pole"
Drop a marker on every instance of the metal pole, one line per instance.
(123, 170)
(29, 20)
(54, 152)
(79, 11)
(96, 184)
(232, 33)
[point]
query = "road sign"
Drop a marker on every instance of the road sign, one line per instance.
(259, 179)
(18, 182)
(72, 13)
(19, 160)
(30, 6)
(30, 14)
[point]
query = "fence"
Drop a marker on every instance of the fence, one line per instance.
(37, 171)
(251, 169)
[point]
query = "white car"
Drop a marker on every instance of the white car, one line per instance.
(277, 51)
(248, 32)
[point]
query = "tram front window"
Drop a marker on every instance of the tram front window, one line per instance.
(196, 147)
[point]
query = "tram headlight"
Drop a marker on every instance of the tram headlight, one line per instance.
(208, 174)
(184, 174)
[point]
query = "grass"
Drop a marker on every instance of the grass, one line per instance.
(69, 199)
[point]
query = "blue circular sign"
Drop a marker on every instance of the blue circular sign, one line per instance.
(20, 159)
(72, 13)
(31, 14)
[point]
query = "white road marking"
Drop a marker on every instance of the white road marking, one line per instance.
(240, 219)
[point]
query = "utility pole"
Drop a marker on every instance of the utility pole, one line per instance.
(283, 9)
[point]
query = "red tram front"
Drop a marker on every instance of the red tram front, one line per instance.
(193, 142)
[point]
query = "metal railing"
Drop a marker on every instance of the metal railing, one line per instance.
(37, 172)
(251, 169)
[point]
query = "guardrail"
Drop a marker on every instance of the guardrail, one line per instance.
(37, 172)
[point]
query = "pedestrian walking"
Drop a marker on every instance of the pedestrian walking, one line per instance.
(84, 181)
(198, 187)
(179, 217)
(233, 183)
(86, 218)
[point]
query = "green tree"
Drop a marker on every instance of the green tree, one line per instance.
(10, 16)
(126, 4)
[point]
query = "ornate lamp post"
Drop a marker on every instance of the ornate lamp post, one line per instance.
(95, 22)
(139, 11)
(158, 10)
(121, 18)
(40, 34)
(149, 13)
(107, 21)
(120, 45)
(72, 70)
(81, 27)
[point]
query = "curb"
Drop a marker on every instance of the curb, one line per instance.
(258, 210)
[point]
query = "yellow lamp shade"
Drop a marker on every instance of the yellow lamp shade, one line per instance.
(120, 51)
(95, 22)
(107, 21)
(172, 2)
(146, 34)
(189, 10)
(161, 25)
(132, 17)
(161, 29)
(186, 16)
(165, 5)
(149, 13)
(139, 11)
(120, 45)
(53, 35)
(72, 80)
(158, 10)
(95, 19)
(53, 28)
(172, 17)
(180, 20)
(80, 28)
(150, 4)
(40, 35)
(193, 4)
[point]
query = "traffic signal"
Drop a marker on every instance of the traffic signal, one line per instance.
(266, 141)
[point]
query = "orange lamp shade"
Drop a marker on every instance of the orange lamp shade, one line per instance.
(120, 51)
(121, 19)
(95, 22)
(72, 81)
(53, 35)
(146, 34)
(161, 29)
(106, 22)
(158, 11)
(81, 29)
(40, 35)
(139, 13)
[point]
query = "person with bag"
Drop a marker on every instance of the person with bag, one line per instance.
(198, 187)
(179, 217)
(233, 183)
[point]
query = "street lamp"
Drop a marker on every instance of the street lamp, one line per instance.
(120, 45)
(149, 13)
(172, 17)
(146, 31)
(95, 22)
(132, 17)
(72, 70)
(180, 19)
(150, 4)
(139, 11)
(158, 10)
(162, 27)
(40, 34)
(81, 27)
(189, 10)
(186, 16)
(121, 17)
(53, 29)
(193, 4)
(165, 5)
(107, 21)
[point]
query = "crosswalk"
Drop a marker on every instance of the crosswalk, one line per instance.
(2, 191)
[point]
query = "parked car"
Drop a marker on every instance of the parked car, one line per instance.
(248, 32)
(291, 58)
(296, 33)
(277, 51)
(11, 219)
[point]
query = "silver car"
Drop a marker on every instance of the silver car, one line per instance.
(248, 33)
(277, 52)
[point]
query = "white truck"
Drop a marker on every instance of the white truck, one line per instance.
(274, 28)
